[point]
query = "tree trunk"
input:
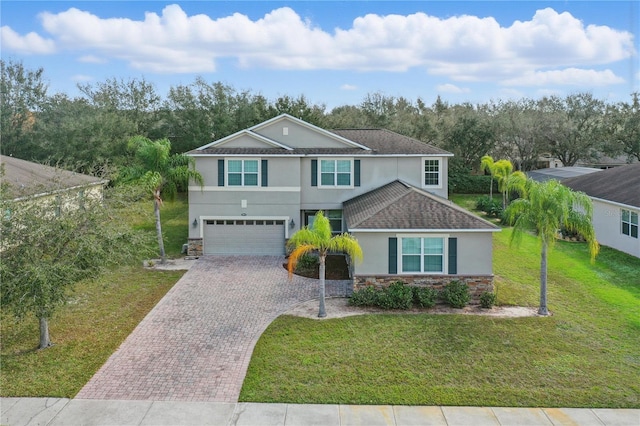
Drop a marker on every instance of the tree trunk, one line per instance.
(543, 280)
(491, 188)
(156, 210)
(322, 312)
(45, 342)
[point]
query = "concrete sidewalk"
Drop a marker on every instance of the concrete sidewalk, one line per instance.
(62, 411)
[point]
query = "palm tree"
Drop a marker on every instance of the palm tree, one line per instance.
(160, 173)
(544, 209)
(318, 239)
(487, 165)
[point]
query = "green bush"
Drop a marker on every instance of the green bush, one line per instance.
(462, 182)
(367, 296)
(492, 207)
(456, 294)
(487, 299)
(307, 262)
(425, 297)
(397, 296)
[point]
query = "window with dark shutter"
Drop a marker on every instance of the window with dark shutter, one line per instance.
(265, 173)
(453, 255)
(314, 172)
(221, 172)
(393, 255)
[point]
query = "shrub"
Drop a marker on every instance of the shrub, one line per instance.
(462, 182)
(492, 207)
(307, 262)
(456, 294)
(367, 296)
(425, 297)
(397, 296)
(487, 299)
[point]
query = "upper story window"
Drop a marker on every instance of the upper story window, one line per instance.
(242, 172)
(629, 223)
(432, 173)
(336, 173)
(422, 255)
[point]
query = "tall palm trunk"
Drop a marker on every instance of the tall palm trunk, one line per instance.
(322, 312)
(491, 188)
(156, 210)
(543, 280)
(45, 342)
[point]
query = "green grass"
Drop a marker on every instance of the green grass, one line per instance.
(100, 315)
(587, 354)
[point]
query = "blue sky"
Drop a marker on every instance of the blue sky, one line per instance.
(335, 52)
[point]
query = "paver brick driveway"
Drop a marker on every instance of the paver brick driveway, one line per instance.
(196, 344)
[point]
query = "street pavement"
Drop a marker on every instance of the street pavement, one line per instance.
(81, 412)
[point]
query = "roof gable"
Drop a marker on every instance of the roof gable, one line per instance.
(245, 139)
(400, 206)
(618, 184)
(26, 178)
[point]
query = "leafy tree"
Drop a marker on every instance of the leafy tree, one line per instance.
(318, 239)
(161, 173)
(469, 136)
(544, 209)
(573, 126)
(48, 245)
(22, 93)
(624, 121)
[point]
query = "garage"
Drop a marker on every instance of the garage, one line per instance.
(244, 237)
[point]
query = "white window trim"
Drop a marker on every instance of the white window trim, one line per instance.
(226, 172)
(422, 176)
(445, 253)
(622, 222)
(336, 186)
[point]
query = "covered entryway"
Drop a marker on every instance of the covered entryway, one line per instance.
(244, 237)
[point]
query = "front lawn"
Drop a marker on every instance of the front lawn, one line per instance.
(101, 314)
(587, 354)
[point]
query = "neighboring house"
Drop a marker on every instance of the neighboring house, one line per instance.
(616, 205)
(560, 173)
(390, 191)
(28, 181)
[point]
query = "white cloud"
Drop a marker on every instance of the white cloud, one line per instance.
(31, 43)
(569, 76)
(92, 59)
(464, 48)
(451, 88)
(348, 87)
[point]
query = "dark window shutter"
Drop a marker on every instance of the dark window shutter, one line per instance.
(453, 255)
(393, 255)
(314, 172)
(220, 172)
(356, 172)
(265, 173)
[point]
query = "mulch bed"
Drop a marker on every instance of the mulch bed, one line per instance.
(336, 269)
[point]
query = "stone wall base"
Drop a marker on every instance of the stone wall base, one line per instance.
(478, 284)
(194, 247)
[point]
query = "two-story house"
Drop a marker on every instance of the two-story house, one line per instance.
(389, 191)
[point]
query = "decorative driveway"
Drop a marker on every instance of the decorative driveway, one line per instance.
(196, 344)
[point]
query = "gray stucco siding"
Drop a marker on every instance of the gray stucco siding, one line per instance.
(298, 136)
(474, 254)
(608, 227)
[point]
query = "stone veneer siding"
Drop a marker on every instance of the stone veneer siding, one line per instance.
(194, 247)
(478, 284)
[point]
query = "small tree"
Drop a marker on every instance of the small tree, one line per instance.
(161, 173)
(487, 165)
(47, 248)
(544, 209)
(318, 239)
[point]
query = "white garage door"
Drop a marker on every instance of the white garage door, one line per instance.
(248, 237)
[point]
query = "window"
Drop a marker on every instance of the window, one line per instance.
(242, 172)
(630, 223)
(334, 216)
(432, 171)
(335, 172)
(422, 255)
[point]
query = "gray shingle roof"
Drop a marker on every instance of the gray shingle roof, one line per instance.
(398, 205)
(380, 141)
(618, 184)
(25, 178)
